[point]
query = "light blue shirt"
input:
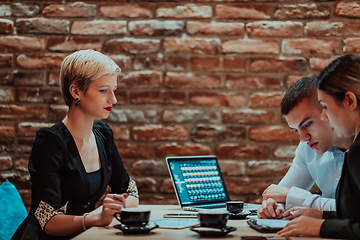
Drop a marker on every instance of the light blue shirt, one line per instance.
(308, 168)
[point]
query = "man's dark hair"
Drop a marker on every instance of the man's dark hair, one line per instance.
(304, 88)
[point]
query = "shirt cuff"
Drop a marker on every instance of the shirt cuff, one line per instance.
(295, 198)
(45, 212)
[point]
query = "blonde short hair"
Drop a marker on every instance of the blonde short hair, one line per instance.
(81, 68)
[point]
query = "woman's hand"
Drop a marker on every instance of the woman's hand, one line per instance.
(112, 203)
(302, 226)
(302, 211)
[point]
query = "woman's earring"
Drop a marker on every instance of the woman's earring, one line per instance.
(77, 102)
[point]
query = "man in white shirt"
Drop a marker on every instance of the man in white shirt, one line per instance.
(318, 158)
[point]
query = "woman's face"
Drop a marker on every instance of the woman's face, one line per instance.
(100, 96)
(336, 114)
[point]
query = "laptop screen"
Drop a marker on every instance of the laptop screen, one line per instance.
(197, 180)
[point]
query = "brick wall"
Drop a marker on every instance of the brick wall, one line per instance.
(198, 77)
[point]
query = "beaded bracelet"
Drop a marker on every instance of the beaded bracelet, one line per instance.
(83, 220)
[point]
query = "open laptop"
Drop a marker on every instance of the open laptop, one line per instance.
(199, 184)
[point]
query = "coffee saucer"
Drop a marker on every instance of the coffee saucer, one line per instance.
(241, 215)
(212, 232)
(135, 229)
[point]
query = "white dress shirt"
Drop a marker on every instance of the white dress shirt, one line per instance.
(308, 168)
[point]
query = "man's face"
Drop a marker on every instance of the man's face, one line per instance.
(305, 118)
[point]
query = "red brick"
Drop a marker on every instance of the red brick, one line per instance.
(132, 45)
(266, 99)
(21, 163)
(241, 151)
(38, 95)
(24, 9)
(193, 45)
(149, 168)
(292, 78)
(159, 133)
(127, 10)
(6, 78)
(275, 29)
(26, 196)
(232, 167)
(249, 116)
(183, 11)
(5, 163)
(42, 26)
(45, 60)
(7, 131)
(215, 28)
(241, 11)
(229, 64)
(57, 112)
(253, 82)
(28, 129)
(347, 9)
(220, 99)
(302, 11)
(77, 9)
(21, 44)
(331, 29)
(33, 111)
(167, 186)
(277, 64)
(265, 168)
(29, 78)
(6, 60)
(54, 78)
(121, 97)
(124, 62)
(6, 26)
(301, 46)
(142, 63)
(320, 62)
(72, 44)
(181, 149)
(351, 45)
(216, 133)
(134, 116)
(98, 27)
(143, 79)
(121, 132)
(191, 80)
(7, 94)
(132, 150)
(285, 151)
(273, 133)
(5, 10)
(189, 115)
(158, 97)
(146, 184)
(251, 46)
(156, 28)
(176, 63)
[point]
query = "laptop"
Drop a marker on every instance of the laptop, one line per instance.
(199, 184)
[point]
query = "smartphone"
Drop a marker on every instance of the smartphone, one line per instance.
(180, 215)
(263, 238)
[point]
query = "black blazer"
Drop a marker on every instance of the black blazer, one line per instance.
(58, 175)
(347, 222)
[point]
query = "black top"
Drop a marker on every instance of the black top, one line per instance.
(347, 222)
(95, 181)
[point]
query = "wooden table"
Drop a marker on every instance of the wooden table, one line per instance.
(157, 211)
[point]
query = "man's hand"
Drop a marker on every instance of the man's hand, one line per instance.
(276, 192)
(269, 209)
